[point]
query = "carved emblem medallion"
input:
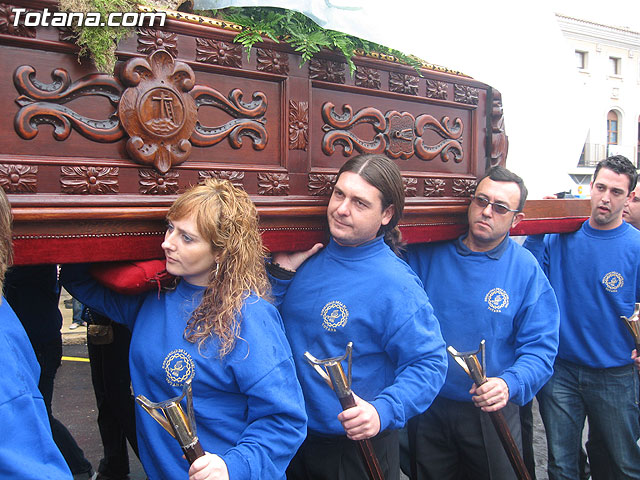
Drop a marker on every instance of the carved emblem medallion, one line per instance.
(157, 111)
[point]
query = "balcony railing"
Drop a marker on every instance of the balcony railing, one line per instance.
(592, 153)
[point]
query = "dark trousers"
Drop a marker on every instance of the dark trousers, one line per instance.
(49, 357)
(116, 408)
(526, 425)
(338, 458)
(457, 441)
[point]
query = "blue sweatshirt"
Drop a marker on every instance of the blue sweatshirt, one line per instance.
(596, 276)
(501, 296)
(248, 406)
(27, 450)
(368, 296)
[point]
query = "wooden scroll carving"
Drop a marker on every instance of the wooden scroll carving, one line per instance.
(248, 118)
(298, 125)
(499, 139)
(397, 134)
(44, 103)
(157, 111)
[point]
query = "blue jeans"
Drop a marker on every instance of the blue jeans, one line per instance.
(608, 397)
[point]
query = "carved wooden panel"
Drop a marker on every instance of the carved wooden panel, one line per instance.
(156, 110)
(7, 20)
(86, 153)
(298, 125)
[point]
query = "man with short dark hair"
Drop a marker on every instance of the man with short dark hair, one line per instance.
(484, 286)
(357, 289)
(595, 273)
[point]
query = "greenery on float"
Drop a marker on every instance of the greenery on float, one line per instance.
(99, 43)
(305, 36)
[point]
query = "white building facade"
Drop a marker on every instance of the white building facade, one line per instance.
(608, 63)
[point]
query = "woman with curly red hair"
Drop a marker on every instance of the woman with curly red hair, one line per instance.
(216, 329)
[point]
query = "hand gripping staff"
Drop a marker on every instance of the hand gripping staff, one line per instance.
(469, 362)
(332, 372)
(633, 324)
(173, 420)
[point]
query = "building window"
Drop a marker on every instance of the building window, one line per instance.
(614, 66)
(612, 130)
(581, 59)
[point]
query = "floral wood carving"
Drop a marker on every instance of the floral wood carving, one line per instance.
(499, 138)
(410, 186)
(401, 83)
(298, 125)
(463, 187)
(157, 111)
(44, 103)
(434, 187)
(235, 177)
(326, 70)
(153, 182)
(397, 134)
(272, 61)
(437, 90)
(320, 184)
(89, 180)
(465, 94)
(151, 39)
(273, 184)
(367, 77)
(18, 178)
(217, 52)
(248, 118)
(7, 19)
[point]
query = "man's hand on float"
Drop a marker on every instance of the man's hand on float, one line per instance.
(360, 422)
(491, 396)
(636, 358)
(292, 260)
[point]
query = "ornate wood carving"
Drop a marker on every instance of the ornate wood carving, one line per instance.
(367, 77)
(465, 94)
(320, 184)
(434, 187)
(151, 39)
(298, 125)
(7, 19)
(19, 178)
(89, 180)
(499, 138)
(218, 53)
(153, 182)
(403, 83)
(463, 187)
(248, 120)
(235, 177)
(272, 61)
(326, 70)
(156, 111)
(273, 184)
(436, 89)
(43, 103)
(398, 134)
(410, 186)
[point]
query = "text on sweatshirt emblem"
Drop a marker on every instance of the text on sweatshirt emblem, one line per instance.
(179, 367)
(497, 299)
(334, 314)
(612, 281)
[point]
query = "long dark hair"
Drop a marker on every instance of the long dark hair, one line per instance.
(385, 175)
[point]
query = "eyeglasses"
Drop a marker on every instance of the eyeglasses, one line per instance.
(497, 207)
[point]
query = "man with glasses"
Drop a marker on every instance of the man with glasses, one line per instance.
(484, 286)
(595, 273)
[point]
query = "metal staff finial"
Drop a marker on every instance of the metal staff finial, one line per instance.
(633, 324)
(173, 419)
